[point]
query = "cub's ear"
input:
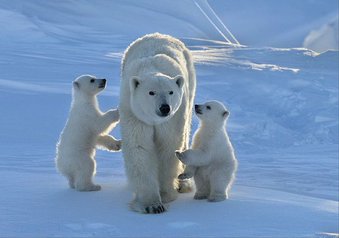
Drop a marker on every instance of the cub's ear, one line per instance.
(179, 80)
(225, 114)
(76, 85)
(134, 83)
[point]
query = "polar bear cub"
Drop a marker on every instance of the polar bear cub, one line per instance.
(211, 160)
(86, 128)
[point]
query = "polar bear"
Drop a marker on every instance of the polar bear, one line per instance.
(156, 104)
(211, 159)
(86, 128)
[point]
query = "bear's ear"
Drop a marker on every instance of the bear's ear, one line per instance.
(76, 85)
(225, 114)
(179, 80)
(134, 83)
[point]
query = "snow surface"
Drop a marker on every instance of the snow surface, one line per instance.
(283, 123)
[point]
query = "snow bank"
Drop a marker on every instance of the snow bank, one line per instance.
(274, 23)
(325, 38)
(280, 97)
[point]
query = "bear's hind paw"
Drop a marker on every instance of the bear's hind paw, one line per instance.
(184, 176)
(199, 196)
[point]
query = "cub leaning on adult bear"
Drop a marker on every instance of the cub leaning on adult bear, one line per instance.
(86, 128)
(156, 102)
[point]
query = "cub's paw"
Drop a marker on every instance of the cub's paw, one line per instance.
(95, 187)
(185, 176)
(217, 198)
(88, 188)
(181, 156)
(115, 146)
(155, 209)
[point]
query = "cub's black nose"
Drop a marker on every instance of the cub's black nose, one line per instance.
(102, 83)
(197, 109)
(164, 109)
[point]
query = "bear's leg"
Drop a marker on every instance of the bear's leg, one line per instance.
(202, 186)
(141, 169)
(230, 177)
(218, 183)
(108, 142)
(168, 173)
(83, 177)
(71, 181)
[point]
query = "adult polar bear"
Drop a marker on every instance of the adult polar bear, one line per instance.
(156, 102)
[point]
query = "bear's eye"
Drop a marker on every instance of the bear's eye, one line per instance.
(208, 107)
(92, 80)
(151, 93)
(170, 92)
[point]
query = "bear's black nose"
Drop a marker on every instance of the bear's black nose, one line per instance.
(164, 109)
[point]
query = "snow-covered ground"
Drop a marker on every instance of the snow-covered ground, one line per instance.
(283, 123)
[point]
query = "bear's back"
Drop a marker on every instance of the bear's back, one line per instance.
(151, 45)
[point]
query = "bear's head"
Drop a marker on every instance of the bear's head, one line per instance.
(156, 98)
(212, 113)
(88, 85)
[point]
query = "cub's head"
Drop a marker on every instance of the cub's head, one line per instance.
(88, 85)
(155, 99)
(212, 113)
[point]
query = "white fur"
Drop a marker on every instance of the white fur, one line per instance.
(211, 159)
(163, 65)
(86, 128)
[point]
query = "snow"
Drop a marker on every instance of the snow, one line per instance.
(275, 23)
(324, 38)
(283, 122)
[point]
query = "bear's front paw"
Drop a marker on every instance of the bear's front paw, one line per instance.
(114, 114)
(185, 176)
(155, 209)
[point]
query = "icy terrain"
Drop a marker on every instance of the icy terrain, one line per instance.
(283, 123)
